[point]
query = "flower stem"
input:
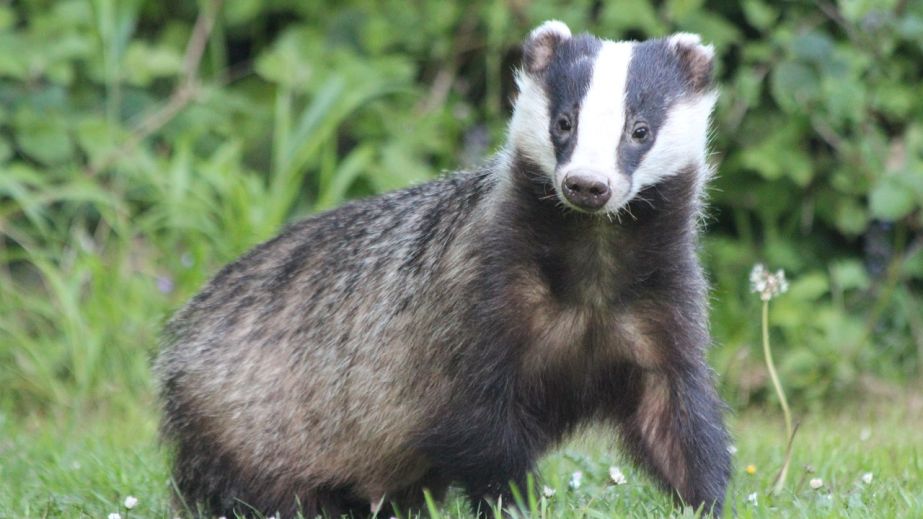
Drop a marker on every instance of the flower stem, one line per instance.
(770, 365)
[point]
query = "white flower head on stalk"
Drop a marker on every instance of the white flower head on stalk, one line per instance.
(548, 492)
(130, 502)
(751, 498)
(766, 284)
(816, 483)
(867, 478)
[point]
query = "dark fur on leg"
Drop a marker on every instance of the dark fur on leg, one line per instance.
(675, 428)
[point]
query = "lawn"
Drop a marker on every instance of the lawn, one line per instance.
(869, 459)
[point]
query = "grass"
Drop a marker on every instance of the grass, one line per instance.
(86, 465)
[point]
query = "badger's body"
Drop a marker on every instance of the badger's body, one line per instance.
(455, 331)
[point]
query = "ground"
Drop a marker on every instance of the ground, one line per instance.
(868, 459)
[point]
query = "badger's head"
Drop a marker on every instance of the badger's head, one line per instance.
(603, 120)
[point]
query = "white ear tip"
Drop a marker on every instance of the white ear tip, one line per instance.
(551, 26)
(688, 39)
(685, 38)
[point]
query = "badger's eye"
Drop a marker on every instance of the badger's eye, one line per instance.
(640, 133)
(563, 124)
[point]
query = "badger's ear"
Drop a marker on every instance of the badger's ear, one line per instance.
(540, 46)
(696, 59)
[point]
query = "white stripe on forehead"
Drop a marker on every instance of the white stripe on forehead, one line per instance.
(602, 113)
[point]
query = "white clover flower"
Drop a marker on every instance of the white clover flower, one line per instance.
(548, 492)
(615, 474)
(575, 480)
(816, 483)
(130, 502)
(867, 478)
(767, 285)
(751, 498)
(114, 515)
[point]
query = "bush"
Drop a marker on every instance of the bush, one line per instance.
(144, 144)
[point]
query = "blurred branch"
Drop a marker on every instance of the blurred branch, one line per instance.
(442, 84)
(829, 135)
(859, 38)
(902, 251)
(741, 107)
(186, 90)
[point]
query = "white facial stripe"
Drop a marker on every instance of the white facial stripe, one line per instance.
(528, 129)
(680, 142)
(602, 116)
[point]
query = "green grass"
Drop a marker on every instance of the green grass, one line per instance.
(86, 466)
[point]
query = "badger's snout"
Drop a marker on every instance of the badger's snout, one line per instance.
(587, 190)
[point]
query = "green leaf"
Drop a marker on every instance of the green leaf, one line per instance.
(850, 217)
(623, 16)
(144, 63)
(813, 46)
(849, 275)
(793, 85)
(759, 14)
(891, 200)
(681, 9)
(44, 138)
(355, 164)
(765, 157)
(809, 287)
(713, 28)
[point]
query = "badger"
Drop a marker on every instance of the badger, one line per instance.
(454, 332)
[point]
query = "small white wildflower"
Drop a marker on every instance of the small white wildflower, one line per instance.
(575, 480)
(816, 483)
(548, 492)
(751, 498)
(867, 478)
(865, 434)
(130, 502)
(732, 450)
(114, 515)
(767, 285)
(615, 474)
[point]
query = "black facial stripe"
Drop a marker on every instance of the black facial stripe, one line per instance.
(567, 81)
(655, 81)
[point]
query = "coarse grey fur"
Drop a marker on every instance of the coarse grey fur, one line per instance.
(450, 333)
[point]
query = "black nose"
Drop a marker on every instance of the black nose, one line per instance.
(586, 190)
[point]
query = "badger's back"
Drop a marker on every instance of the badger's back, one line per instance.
(308, 362)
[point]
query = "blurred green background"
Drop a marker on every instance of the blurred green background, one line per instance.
(145, 144)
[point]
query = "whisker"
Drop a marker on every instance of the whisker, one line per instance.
(645, 200)
(628, 210)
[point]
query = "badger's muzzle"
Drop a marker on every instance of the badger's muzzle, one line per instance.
(587, 190)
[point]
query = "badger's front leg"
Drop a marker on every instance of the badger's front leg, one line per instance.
(674, 425)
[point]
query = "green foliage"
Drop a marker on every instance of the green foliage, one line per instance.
(139, 151)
